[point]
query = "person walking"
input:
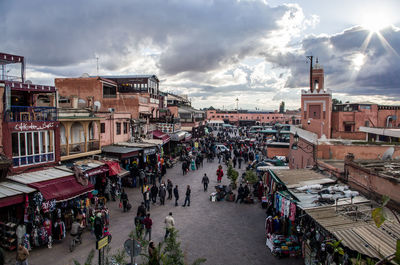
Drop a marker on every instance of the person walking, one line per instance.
(187, 198)
(153, 257)
(234, 160)
(124, 200)
(169, 224)
(240, 159)
(205, 182)
(184, 167)
(162, 192)
(22, 255)
(176, 195)
(169, 189)
(146, 198)
(148, 223)
(220, 173)
(153, 193)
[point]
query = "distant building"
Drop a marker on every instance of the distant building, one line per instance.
(348, 118)
(246, 118)
(191, 119)
(343, 121)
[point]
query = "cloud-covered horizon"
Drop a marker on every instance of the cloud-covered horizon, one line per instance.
(213, 51)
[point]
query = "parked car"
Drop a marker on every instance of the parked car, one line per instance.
(222, 149)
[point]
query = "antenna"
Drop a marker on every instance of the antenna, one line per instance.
(311, 61)
(97, 60)
(237, 104)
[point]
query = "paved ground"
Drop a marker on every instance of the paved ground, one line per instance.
(221, 232)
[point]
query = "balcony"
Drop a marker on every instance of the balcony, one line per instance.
(75, 150)
(23, 113)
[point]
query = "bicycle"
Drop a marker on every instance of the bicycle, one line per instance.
(76, 239)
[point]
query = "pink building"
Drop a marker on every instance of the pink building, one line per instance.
(244, 117)
(115, 127)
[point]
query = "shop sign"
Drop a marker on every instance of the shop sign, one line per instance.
(149, 151)
(102, 242)
(29, 126)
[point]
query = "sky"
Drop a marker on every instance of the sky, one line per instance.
(214, 51)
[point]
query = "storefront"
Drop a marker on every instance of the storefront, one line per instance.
(48, 212)
(129, 160)
(166, 141)
(12, 200)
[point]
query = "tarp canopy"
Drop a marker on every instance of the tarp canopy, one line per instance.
(13, 193)
(61, 189)
(178, 136)
(162, 136)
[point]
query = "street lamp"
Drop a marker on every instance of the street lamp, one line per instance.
(306, 147)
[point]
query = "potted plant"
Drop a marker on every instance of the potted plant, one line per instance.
(233, 176)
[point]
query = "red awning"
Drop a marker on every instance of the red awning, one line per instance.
(162, 136)
(97, 170)
(61, 189)
(11, 200)
(113, 166)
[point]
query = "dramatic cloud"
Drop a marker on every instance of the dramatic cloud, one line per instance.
(356, 62)
(213, 51)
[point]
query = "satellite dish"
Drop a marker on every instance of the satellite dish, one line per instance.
(28, 82)
(85, 75)
(97, 105)
(388, 154)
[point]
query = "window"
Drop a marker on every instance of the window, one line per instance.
(118, 128)
(366, 123)
(109, 91)
(32, 147)
(125, 127)
(213, 116)
(102, 127)
(347, 128)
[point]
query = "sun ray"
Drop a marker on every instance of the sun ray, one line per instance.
(386, 44)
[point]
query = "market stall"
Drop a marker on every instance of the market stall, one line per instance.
(59, 198)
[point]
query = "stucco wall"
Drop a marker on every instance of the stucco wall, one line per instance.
(277, 151)
(339, 151)
(373, 184)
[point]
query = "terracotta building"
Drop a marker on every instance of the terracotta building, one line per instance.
(341, 120)
(349, 117)
(30, 132)
(316, 105)
(245, 117)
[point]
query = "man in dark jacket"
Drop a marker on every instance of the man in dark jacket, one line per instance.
(169, 189)
(240, 194)
(98, 226)
(187, 198)
(153, 193)
(205, 181)
(124, 200)
(162, 192)
(176, 195)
